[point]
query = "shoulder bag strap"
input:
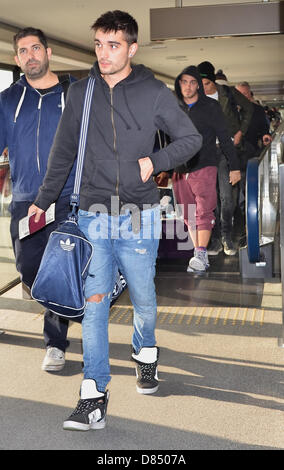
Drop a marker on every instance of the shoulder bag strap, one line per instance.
(74, 200)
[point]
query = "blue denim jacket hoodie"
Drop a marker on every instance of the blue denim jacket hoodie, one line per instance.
(28, 123)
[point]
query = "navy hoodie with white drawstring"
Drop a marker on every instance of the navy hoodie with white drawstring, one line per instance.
(28, 123)
(122, 128)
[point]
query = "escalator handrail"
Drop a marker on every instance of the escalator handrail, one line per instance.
(252, 214)
(252, 201)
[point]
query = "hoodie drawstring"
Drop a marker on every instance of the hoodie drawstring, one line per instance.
(62, 102)
(39, 102)
(111, 106)
(129, 110)
(18, 109)
(20, 104)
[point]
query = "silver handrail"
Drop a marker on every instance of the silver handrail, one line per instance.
(281, 210)
(262, 205)
(277, 187)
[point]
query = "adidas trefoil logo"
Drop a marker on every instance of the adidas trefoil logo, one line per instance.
(94, 416)
(67, 246)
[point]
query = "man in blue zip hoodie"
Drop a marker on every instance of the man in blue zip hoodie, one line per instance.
(128, 107)
(30, 110)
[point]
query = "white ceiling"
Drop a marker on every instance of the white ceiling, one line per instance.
(258, 60)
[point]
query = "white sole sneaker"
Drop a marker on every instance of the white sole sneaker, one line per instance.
(230, 252)
(146, 370)
(195, 265)
(54, 360)
(52, 368)
(147, 391)
(75, 426)
(192, 270)
(90, 412)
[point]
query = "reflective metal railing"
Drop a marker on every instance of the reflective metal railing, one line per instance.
(5, 185)
(281, 210)
(265, 204)
(8, 273)
(262, 195)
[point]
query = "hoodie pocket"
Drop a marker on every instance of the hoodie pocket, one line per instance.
(103, 175)
(130, 175)
(131, 181)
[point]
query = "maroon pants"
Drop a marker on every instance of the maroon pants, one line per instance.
(197, 189)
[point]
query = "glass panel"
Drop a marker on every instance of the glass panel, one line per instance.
(8, 270)
(6, 78)
(269, 186)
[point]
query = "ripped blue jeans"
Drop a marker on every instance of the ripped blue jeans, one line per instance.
(118, 246)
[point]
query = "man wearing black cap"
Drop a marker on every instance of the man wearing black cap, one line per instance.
(194, 183)
(230, 100)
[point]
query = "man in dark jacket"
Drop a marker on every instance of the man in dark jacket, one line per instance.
(195, 183)
(258, 131)
(230, 100)
(257, 137)
(129, 105)
(29, 113)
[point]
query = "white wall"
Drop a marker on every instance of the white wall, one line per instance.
(6, 78)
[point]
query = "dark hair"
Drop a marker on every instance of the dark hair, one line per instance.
(220, 75)
(118, 21)
(244, 84)
(29, 31)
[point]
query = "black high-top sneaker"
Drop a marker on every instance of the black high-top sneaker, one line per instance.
(90, 412)
(146, 370)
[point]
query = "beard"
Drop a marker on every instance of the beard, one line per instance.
(35, 69)
(112, 68)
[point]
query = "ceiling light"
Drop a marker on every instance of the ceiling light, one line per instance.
(176, 57)
(159, 46)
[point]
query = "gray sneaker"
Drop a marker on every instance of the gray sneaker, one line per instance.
(228, 245)
(199, 262)
(54, 360)
(215, 247)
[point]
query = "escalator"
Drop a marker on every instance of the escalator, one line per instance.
(234, 284)
(262, 255)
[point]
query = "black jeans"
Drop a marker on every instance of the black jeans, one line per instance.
(227, 200)
(28, 253)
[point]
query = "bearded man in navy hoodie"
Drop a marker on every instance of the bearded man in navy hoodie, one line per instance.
(30, 110)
